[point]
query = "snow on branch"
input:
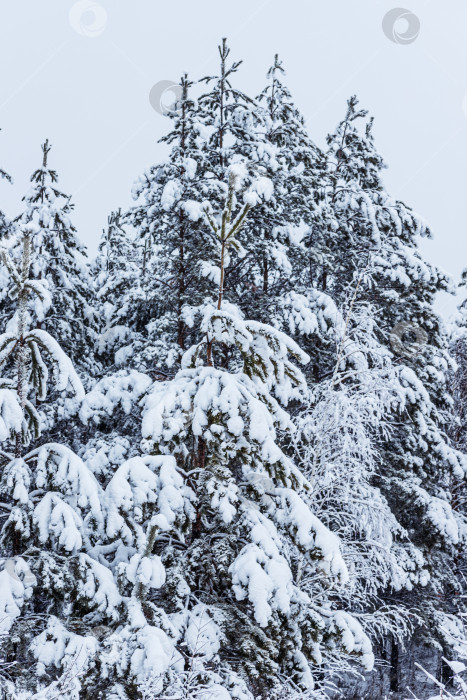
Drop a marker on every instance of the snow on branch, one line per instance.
(65, 373)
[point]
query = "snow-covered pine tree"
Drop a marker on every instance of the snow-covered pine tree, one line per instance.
(178, 274)
(243, 129)
(296, 196)
(51, 590)
(110, 421)
(294, 253)
(178, 271)
(168, 224)
(207, 530)
(282, 153)
(116, 273)
(231, 118)
(61, 263)
(354, 192)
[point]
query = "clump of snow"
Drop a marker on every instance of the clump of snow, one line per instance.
(123, 390)
(16, 588)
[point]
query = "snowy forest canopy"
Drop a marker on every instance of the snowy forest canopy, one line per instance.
(233, 444)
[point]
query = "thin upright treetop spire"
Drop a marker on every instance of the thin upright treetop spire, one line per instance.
(45, 150)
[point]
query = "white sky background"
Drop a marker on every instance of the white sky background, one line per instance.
(89, 95)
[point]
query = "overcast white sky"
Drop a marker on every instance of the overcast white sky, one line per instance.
(89, 95)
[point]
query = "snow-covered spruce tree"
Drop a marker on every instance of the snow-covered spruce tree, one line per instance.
(209, 533)
(418, 462)
(61, 263)
(51, 590)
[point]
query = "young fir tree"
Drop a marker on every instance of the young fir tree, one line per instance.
(52, 591)
(210, 533)
(61, 264)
